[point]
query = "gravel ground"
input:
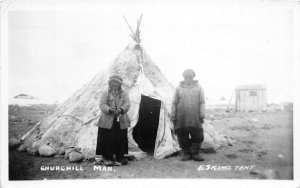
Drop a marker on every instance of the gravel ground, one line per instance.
(262, 141)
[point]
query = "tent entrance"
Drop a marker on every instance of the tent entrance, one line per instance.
(144, 133)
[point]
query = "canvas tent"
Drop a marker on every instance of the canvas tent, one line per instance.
(72, 124)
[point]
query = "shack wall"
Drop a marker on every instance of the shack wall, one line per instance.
(251, 100)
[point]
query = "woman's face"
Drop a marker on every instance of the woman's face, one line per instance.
(114, 85)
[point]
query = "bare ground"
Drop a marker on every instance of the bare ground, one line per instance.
(262, 140)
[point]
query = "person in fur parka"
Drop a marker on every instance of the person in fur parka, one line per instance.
(187, 114)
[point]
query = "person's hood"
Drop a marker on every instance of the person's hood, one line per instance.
(194, 84)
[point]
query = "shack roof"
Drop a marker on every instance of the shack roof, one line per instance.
(251, 87)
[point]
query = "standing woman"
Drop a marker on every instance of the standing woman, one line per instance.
(112, 141)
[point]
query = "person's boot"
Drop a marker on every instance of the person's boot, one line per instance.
(184, 143)
(121, 159)
(108, 160)
(186, 155)
(196, 152)
(108, 163)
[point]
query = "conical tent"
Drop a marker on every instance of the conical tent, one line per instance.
(73, 123)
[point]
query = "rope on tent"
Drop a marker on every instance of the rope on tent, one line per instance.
(74, 116)
(91, 120)
(83, 123)
(29, 132)
(139, 59)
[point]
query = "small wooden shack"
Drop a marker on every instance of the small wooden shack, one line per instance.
(250, 98)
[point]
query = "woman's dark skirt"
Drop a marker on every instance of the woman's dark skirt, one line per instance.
(112, 141)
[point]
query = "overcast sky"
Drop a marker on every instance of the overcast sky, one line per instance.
(52, 53)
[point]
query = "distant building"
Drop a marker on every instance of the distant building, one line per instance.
(250, 98)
